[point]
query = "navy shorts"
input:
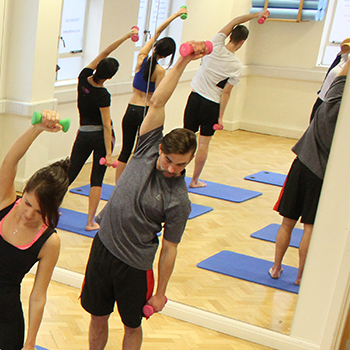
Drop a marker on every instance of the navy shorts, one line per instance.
(300, 194)
(202, 113)
(108, 281)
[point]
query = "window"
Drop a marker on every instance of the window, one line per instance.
(336, 29)
(71, 43)
(152, 13)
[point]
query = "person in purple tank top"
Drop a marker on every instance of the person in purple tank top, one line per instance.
(148, 75)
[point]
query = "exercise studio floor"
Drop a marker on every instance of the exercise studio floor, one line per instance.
(232, 156)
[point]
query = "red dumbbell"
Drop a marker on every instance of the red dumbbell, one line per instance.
(262, 20)
(186, 49)
(103, 162)
(218, 127)
(135, 37)
(148, 310)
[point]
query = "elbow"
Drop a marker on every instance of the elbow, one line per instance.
(156, 101)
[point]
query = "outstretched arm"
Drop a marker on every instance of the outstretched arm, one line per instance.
(48, 257)
(19, 148)
(225, 96)
(242, 19)
(107, 134)
(156, 113)
(109, 49)
(148, 46)
(165, 268)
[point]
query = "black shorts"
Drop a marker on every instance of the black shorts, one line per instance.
(109, 280)
(300, 194)
(202, 113)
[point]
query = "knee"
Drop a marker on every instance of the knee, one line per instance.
(99, 321)
(288, 224)
(132, 331)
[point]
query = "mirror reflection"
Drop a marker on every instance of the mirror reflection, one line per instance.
(232, 156)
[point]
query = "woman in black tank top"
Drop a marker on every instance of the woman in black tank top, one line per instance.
(27, 235)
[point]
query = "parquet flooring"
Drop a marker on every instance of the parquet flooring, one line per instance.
(65, 327)
(232, 156)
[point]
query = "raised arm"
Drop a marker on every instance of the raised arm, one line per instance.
(109, 49)
(156, 113)
(148, 46)
(242, 19)
(345, 69)
(19, 148)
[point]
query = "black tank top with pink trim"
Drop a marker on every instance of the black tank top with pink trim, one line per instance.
(16, 262)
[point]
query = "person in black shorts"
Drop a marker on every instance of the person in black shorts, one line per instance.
(211, 86)
(150, 197)
(301, 191)
(95, 134)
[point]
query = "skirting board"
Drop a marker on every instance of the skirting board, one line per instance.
(206, 319)
(271, 130)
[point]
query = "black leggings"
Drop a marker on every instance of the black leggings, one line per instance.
(84, 144)
(11, 321)
(131, 123)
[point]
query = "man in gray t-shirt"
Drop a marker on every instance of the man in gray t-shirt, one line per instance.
(151, 194)
(301, 191)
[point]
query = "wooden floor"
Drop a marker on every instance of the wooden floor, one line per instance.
(232, 156)
(65, 327)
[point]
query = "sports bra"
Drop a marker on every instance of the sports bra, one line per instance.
(141, 84)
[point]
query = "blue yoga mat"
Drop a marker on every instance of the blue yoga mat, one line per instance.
(269, 234)
(74, 221)
(197, 210)
(37, 347)
(267, 177)
(85, 190)
(225, 192)
(251, 269)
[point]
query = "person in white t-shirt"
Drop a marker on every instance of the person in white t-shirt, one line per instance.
(218, 73)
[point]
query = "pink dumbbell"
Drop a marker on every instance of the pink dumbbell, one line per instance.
(135, 37)
(218, 127)
(186, 48)
(263, 19)
(103, 162)
(148, 310)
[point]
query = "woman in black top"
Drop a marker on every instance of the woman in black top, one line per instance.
(27, 235)
(95, 133)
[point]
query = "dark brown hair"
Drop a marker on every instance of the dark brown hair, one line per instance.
(239, 33)
(162, 48)
(49, 185)
(179, 141)
(106, 69)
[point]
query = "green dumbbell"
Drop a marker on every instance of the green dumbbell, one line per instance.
(184, 15)
(37, 118)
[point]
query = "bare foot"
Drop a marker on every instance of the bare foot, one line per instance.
(197, 184)
(297, 281)
(92, 227)
(275, 274)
